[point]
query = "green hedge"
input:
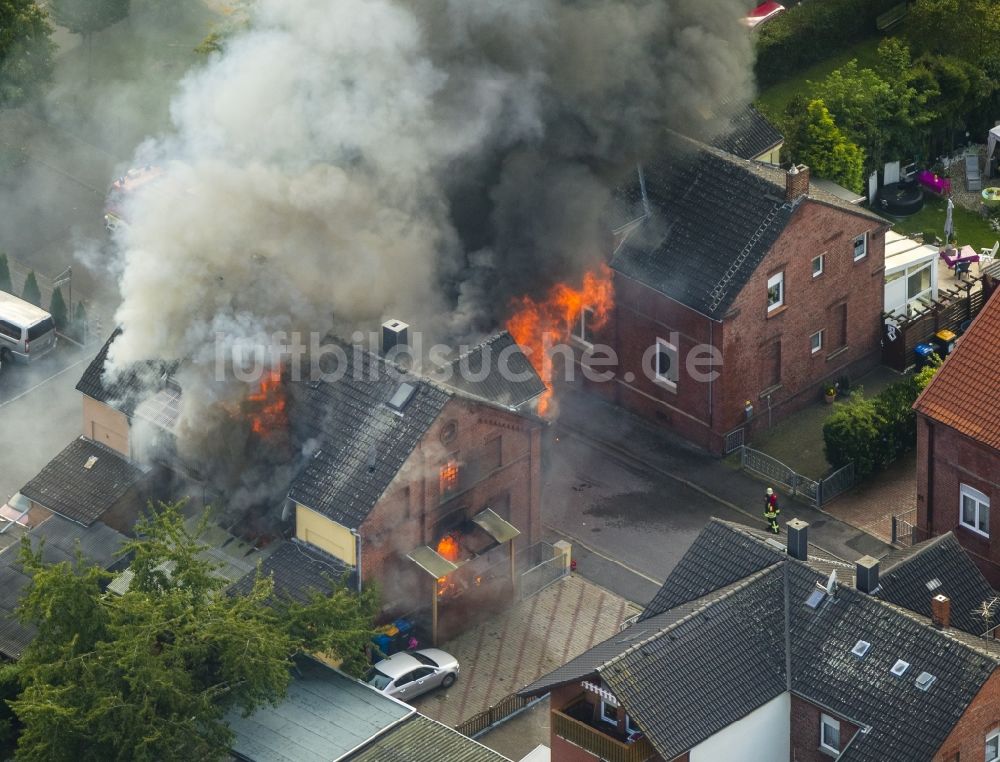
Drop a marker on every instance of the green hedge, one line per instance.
(811, 32)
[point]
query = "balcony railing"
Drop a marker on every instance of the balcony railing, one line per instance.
(598, 743)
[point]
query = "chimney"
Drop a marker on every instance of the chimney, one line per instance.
(395, 333)
(941, 611)
(866, 574)
(798, 539)
(796, 182)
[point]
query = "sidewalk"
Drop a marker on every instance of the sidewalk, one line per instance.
(629, 436)
(519, 645)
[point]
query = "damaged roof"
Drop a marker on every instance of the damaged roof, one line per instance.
(361, 441)
(748, 134)
(713, 657)
(496, 371)
(297, 569)
(83, 481)
(711, 219)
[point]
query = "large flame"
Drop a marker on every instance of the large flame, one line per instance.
(539, 325)
(267, 405)
(448, 548)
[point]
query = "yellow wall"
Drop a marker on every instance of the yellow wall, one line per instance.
(105, 425)
(327, 535)
(773, 156)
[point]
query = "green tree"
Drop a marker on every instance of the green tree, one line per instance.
(26, 50)
(150, 674)
(827, 150)
(59, 310)
(84, 17)
(5, 284)
(853, 433)
(31, 291)
(79, 327)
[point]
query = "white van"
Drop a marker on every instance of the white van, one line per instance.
(26, 332)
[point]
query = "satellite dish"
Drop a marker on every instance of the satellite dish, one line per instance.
(831, 583)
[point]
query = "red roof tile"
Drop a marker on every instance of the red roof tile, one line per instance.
(965, 393)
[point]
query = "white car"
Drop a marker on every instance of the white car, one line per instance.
(409, 674)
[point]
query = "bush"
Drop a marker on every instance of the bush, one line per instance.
(5, 284)
(791, 41)
(59, 310)
(31, 292)
(78, 328)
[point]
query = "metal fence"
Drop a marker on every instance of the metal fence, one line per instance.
(778, 473)
(836, 484)
(545, 565)
(499, 712)
(734, 440)
(903, 525)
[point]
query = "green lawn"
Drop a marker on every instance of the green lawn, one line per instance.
(773, 100)
(970, 228)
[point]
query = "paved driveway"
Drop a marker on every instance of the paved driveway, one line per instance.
(521, 644)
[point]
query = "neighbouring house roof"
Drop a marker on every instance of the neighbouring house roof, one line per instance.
(713, 657)
(910, 577)
(963, 394)
(123, 390)
(83, 481)
(496, 371)
(324, 716)
(297, 570)
(748, 135)
(60, 540)
(421, 739)
(361, 441)
(712, 217)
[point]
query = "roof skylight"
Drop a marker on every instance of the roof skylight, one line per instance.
(861, 648)
(900, 667)
(925, 680)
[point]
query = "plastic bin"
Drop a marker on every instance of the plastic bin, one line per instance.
(922, 354)
(944, 342)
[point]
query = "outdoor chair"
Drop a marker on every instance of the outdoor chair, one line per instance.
(972, 178)
(962, 268)
(986, 256)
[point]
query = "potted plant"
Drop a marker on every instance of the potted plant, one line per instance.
(829, 393)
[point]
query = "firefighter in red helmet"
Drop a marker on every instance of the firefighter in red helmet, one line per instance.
(771, 511)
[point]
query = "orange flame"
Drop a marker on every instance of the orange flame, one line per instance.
(268, 405)
(538, 325)
(447, 548)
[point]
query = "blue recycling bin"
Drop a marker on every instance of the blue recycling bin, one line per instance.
(922, 354)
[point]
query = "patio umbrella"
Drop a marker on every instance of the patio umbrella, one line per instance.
(949, 225)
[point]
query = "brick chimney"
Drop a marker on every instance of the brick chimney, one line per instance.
(866, 574)
(941, 611)
(796, 182)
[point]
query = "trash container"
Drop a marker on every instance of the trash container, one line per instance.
(944, 342)
(922, 354)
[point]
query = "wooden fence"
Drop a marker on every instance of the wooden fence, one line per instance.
(503, 710)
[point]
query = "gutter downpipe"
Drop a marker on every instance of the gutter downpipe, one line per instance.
(357, 558)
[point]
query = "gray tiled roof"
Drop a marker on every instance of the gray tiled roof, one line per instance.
(421, 739)
(61, 539)
(297, 569)
(67, 487)
(509, 380)
(122, 391)
(748, 135)
(361, 443)
(905, 574)
(323, 717)
(719, 656)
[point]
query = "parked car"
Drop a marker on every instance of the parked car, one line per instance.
(27, 332)
(763, 12)
(409, 674)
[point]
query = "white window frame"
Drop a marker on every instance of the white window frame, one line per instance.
(822, 262)
(630, 729)
(778, 279)
(826, 721)
(606, 718)
(579, 331)
(659, 377)
(994, 736)
(813, 346)
(982, 502)
(864, 246)
(926, 293)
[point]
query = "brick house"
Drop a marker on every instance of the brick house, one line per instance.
(781, 281)
(759, 652)
(427, 484)
(958, 444)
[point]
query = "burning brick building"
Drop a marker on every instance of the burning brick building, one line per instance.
(428, 486)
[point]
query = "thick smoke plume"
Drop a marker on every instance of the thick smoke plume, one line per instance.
(343, 161)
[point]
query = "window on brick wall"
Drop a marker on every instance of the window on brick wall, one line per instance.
(775, 291)
(829, 733)
(492, 455)
(817, 266)
(666, 368)
(816, 342)
(609, 712)
(581, 326)
(974, 510)
(860, 246)
(993, 746)
(449, 477)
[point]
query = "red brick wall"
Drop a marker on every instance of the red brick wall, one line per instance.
(704, 412)
(947, 459)
(409, 512)
(968, 738)
(805, 732)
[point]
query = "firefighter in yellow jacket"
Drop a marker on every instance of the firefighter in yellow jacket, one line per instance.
(771, 511)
